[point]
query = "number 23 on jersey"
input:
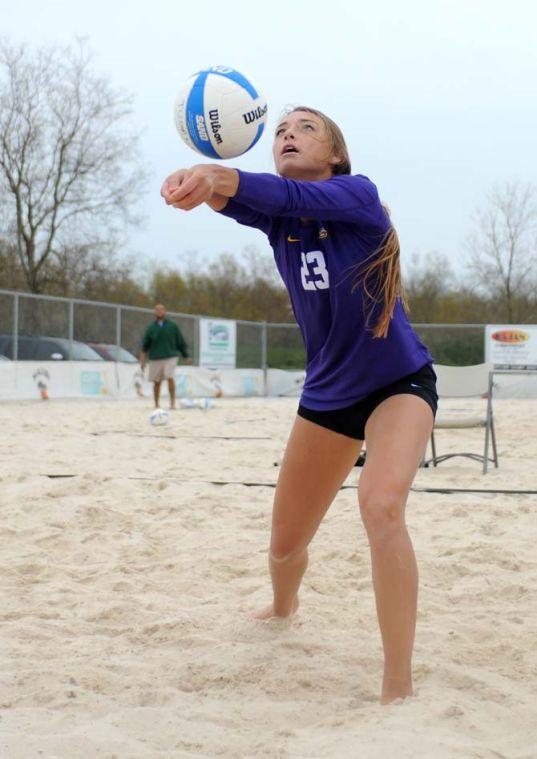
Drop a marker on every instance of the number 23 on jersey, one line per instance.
(313, 272)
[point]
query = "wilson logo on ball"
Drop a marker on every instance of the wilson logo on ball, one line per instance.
(215, 125)
(254, 115)
(512, 336)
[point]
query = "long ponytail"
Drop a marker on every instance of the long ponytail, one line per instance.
(380, 277)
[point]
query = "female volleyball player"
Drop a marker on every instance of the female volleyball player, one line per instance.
(368, 376)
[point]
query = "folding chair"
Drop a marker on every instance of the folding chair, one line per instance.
(466, 382)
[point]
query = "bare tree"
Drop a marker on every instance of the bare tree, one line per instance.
(503, 249)
(69, 174)
(427, 279)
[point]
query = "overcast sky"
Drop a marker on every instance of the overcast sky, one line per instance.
(437, 99)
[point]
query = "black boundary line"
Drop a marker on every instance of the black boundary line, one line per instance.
(178, 437)
(442, 491)
(473, 490)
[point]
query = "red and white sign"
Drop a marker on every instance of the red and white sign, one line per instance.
(511, 345)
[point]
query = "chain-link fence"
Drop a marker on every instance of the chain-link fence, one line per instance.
(285, 347)
(454, 344)
(43, 327)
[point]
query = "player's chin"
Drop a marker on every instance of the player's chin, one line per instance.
(289, 171)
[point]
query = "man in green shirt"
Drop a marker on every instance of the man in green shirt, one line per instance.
(162, 343)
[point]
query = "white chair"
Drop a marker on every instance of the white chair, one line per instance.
(466, 382)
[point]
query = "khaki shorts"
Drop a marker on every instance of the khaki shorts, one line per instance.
(161, 368)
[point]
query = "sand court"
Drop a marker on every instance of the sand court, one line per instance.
(126, 578)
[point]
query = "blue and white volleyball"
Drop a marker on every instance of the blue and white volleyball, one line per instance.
(219, 113)
(159, 417)
(206, 403)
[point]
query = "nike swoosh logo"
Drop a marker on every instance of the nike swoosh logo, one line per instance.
(293, 239)
(413, 385)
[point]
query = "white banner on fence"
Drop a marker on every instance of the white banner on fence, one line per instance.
(511, 345)
(218, 343)
(58, 379)
(194, 382)
(88, 379)
(21, 380)
(281, 382)
(520, 384)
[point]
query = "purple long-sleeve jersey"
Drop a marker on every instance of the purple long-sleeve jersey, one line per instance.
(319, 231)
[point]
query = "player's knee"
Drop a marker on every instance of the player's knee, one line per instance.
(284, 550)
(383, 513)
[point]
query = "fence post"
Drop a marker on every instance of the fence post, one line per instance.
(118, 346)
(15, 352)
(71, 328)
(264, 357)
(196, 346)
(118, 331)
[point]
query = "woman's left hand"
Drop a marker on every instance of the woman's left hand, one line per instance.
(188, 188)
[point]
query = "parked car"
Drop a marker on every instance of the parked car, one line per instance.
(110, 352)
(46, 349)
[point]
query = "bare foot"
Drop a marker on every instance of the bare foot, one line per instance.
(395, 690)
(268, 612)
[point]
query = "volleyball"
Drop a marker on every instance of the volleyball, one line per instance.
(219, 113)
(203, 403)
(206, 403)
(159, 417)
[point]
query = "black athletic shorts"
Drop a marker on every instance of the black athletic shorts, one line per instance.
(351, 420)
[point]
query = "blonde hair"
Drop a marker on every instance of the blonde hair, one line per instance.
(380, 273)
(380, 276)
(337, 141)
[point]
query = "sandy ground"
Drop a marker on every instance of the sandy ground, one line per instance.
(124, 592)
